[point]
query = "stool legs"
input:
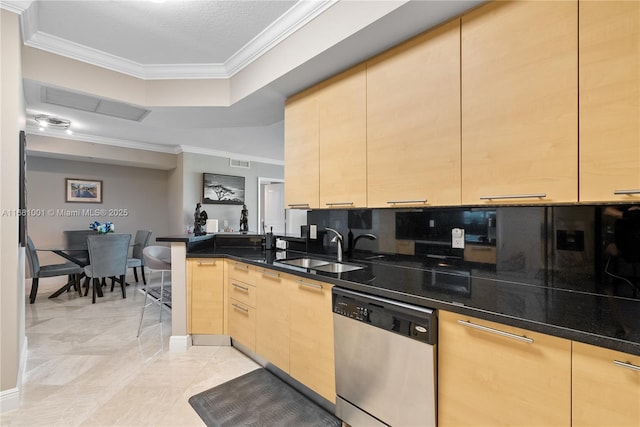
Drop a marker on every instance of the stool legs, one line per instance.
(146, 294)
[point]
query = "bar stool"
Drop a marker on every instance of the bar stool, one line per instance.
(156, 258)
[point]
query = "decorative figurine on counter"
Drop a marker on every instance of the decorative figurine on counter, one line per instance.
(199, 221)
(244, 219)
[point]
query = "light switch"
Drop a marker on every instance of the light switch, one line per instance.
(457, 238)
(313, 232)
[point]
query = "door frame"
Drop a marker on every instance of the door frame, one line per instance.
(263, 181)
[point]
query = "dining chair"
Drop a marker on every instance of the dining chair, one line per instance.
(76, 242)
(37, 271)
(156, 258)
(137, 260)
(108, 255)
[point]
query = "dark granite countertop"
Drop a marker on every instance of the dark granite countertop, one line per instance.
(589, 317)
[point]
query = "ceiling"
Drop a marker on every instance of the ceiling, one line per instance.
(182, 39)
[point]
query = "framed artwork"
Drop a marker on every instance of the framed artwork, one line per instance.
(83, 190)
(222, 189)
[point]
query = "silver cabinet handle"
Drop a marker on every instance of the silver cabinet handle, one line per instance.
(240, 266)
(242, 288)
(621, 192)
(238, 307)
(473, 247)
(626, 365)
(495, 331)
(206, 263)
(339, 204)
(515, 196)
(398, 202)
(270, 273)
(298, 205)
(310, 285)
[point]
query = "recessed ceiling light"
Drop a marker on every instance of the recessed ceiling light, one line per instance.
(45, 121)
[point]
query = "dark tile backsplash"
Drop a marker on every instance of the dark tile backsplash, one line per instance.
(591, 249)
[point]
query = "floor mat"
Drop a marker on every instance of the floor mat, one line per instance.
(259, 398)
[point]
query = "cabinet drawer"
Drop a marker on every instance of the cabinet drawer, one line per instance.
(241, 271)
(242, 324)
(242, 292)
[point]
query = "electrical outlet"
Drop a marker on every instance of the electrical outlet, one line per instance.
(457, 238)
(313, 232)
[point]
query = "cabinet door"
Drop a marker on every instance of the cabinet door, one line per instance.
(413, 122)
(242, 323)
(301, 151)
(606, 387)
(205, 300)
(519, 103)
(311, 340)
(488, 379)
(272, 326)
(609, 101)
(343, 140)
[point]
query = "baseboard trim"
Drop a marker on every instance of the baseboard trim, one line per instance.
(179, 343)
(9, 399)
(211, 340)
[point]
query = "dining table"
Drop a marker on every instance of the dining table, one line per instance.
(76, 251)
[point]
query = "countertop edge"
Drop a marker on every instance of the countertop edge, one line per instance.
(535, 326)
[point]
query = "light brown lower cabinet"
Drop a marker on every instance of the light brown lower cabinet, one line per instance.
(205, 290)
(496, 375)
(311, 337)
(606, 387)
(272, 328)
(242, 323)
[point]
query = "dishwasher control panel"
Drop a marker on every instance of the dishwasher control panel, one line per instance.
(414, 322)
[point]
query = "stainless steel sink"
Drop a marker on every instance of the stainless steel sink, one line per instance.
(305, 262)
(336, 267)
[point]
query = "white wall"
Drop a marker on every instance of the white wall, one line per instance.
(12, 120)
(194, 165)
(142, 192)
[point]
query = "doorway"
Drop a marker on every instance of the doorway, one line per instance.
(271, 205)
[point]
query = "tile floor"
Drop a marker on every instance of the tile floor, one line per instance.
(85, 366)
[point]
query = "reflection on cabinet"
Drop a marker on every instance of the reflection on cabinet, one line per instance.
(272, 329)
(413, 121)
(495, 375)
(609, 100)
(205, 304)
(343, 140)
(311, 334)
(519, 103)
(302, 150)
(606, 387)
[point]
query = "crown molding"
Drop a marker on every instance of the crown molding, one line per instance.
(291, 21)
(216, 153)
(15, 6)
(159, 148)
(295, 18)
(31, 129)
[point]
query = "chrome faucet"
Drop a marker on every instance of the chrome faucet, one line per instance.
(338, 239)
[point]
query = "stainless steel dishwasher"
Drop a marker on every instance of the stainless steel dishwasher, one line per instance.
(385, 358)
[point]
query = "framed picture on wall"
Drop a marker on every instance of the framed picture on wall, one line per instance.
(222, 189)
(83, 190)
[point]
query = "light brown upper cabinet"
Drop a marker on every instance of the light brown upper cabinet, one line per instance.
(343, 140)
(413, 121)
(302, 150)
(609, 101)
(519, 103)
